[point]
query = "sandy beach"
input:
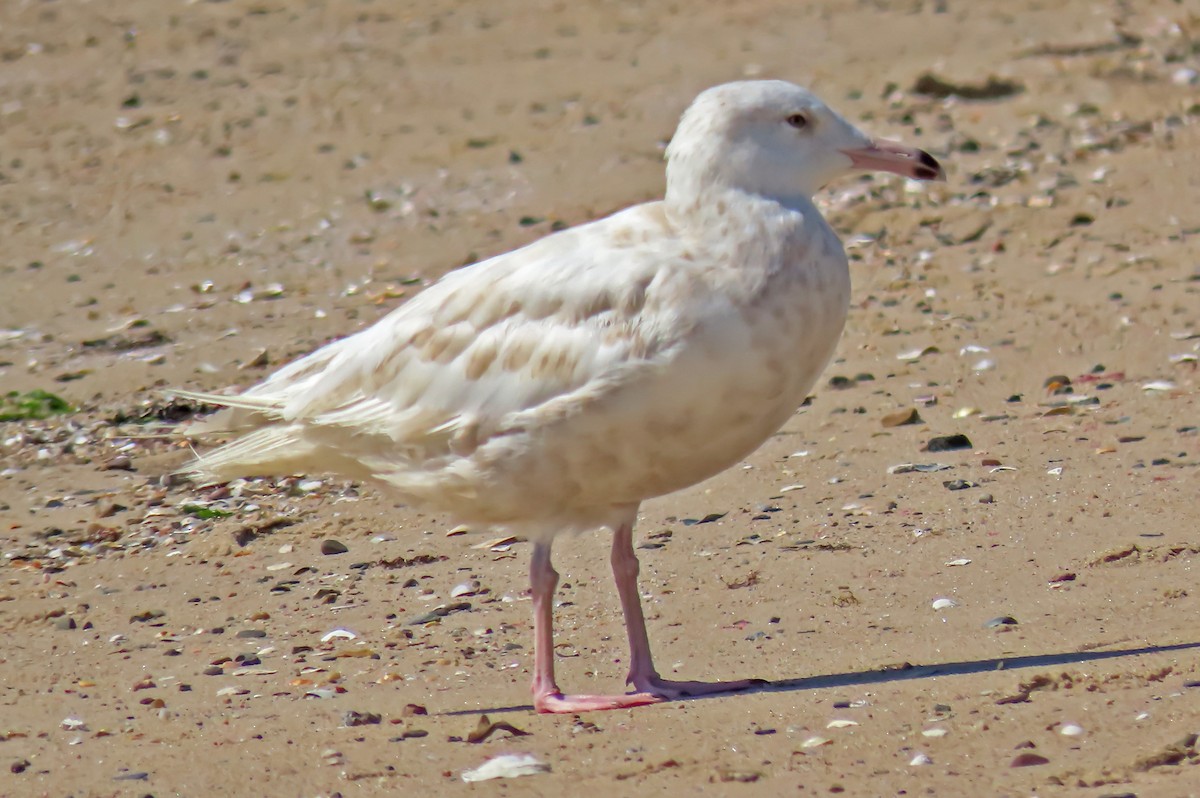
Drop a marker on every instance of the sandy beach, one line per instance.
(965, 567)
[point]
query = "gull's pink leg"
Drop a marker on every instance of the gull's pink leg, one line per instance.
(642, 675)
(547, 697)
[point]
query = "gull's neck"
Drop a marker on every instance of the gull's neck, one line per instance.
(726, 211)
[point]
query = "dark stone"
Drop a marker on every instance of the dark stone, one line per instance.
(333, 547)
(948, 443)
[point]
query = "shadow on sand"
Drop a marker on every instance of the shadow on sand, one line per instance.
(906, 671)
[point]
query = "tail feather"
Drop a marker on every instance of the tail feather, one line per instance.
(261, 404)
(269, 451)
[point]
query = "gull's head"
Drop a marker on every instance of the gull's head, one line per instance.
(779, 140)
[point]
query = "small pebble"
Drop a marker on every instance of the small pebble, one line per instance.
(901, 417)
(439, 612)
(948, 443)
(353, 718)
(134, 776)
(1028, 759)
(333, 547)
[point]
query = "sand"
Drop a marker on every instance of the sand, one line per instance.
(194, 194)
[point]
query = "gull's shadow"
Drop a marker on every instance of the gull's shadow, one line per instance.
(907, 672)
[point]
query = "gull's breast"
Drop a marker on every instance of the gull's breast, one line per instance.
(736, 378)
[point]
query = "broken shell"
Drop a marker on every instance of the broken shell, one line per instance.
(506, 766)
(916, 354)
(338, 634)
(944, 603)
(465, 589)
(1003, 620)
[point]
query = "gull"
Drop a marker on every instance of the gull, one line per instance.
(556, 387)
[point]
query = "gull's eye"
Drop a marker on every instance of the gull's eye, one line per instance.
(798, 121)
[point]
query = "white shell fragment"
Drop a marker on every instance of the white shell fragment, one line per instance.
(1158, 385)
(944, 603)
(1071, 730)
(916, 354)
(338, 634)
(840, 724)
(506, 766)
(920, 759)
(465, 589)
(496, 544)
(923, 468)
(815, 742)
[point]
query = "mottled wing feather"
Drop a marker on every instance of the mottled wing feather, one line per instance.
(444, 371)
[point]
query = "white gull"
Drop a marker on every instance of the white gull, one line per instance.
(556, 387)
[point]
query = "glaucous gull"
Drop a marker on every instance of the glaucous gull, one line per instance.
(556, 387)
